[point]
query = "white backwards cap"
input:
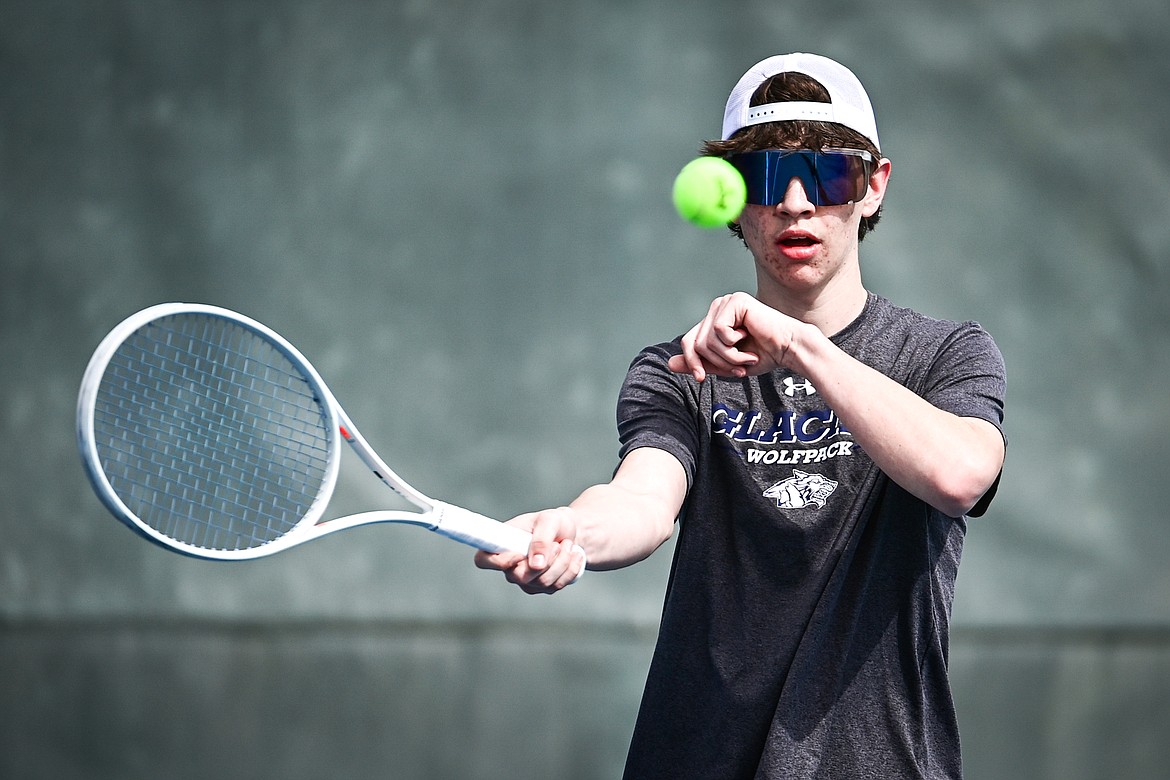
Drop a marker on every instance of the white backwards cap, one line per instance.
(850, 104)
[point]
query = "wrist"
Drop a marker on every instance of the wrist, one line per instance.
(804, 342)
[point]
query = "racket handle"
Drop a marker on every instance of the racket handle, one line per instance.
(475, 530)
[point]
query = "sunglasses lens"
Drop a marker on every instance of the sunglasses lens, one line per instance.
(828, 178)
(842, 178)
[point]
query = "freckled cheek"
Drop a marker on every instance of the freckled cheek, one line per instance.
(752, 232)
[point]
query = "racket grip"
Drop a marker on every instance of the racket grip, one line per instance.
(481, 532)
(478, 531)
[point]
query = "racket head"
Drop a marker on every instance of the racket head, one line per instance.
(208, 433)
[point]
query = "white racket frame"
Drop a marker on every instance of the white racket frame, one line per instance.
(448, 520)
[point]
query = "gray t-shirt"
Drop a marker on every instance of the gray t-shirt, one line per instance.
(805, 628)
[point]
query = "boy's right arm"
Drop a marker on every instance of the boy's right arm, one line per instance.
(617, 523)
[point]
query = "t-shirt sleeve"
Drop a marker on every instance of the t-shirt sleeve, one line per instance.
(968, 378)
(657, 408)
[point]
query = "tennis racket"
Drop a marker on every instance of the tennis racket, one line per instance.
(209, 434)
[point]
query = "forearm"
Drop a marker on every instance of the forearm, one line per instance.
(946, 460)
(619, 525)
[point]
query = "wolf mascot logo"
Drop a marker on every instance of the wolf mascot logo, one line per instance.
(800, 490)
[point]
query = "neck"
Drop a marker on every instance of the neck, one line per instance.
(829, 308)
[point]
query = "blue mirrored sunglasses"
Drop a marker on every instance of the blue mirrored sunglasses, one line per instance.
(829, 178)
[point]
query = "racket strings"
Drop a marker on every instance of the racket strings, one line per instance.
(210, 434)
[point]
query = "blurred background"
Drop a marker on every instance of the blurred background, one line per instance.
(459, 211)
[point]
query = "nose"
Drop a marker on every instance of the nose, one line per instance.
(796, 201)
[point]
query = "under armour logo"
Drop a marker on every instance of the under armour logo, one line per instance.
(791, 386)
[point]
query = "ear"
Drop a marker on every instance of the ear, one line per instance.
(877, 188)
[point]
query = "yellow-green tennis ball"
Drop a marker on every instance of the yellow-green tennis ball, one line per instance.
(709, 192)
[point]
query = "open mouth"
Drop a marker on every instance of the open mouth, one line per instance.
(797, 240)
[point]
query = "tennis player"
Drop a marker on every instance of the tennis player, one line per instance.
(820, 449)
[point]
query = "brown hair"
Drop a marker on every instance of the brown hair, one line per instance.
(795, 134)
